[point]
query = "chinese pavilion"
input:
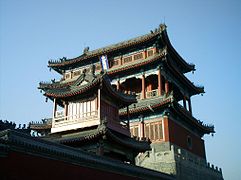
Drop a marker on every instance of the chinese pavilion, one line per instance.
(149, 68)
(89, 118)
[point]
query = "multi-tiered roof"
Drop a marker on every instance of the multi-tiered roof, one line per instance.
(165, 58)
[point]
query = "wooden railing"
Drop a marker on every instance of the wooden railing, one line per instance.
(59, 113)
(60, 121)
(149, 94)
(152, 93)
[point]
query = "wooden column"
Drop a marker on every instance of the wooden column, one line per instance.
(159, 82)
(166, 86)
(118, 85)
(143, 91)
(142, 128)
(166, 134)
(189, 105)
(184, 102)
(145, 54)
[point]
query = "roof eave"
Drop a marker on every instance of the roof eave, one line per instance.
(186, 66)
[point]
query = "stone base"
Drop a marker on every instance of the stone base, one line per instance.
(174, 160)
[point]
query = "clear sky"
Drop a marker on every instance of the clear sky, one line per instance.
(206, 33)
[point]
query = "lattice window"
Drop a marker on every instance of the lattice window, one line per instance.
(127, 59)
(76, 73)
(154, 131)
(136, 131)
(151, 132)
(67, 76)
(115, 62)
(150, 53)
(138, 56)
(132, 131)
(160, 131)
(147, 134)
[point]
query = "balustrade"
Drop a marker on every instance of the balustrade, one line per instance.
(60, 121)
(59, 113)
(149, 94)
(152, 93)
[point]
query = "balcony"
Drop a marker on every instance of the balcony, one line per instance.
(153, 93)
(149, 94)
(64, 123)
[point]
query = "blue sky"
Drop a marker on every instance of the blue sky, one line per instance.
(206, 33)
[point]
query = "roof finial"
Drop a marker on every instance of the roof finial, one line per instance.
(86, 49)
(162, 27)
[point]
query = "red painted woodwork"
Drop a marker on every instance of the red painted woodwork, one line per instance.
(166, 129)
(20, 166)
(178, 135)
(143, 87)
(167, 87)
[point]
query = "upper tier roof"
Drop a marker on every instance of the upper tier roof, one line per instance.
(157, 34)
(84, 84)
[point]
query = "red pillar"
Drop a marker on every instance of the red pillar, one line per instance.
(159, 83)
(166, 129)
(143, 87)
(144, 54)
(166, 86)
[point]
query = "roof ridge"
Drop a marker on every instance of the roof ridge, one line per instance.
(123, 44)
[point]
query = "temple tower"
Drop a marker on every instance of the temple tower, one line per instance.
(86, 116)
(149, 67)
